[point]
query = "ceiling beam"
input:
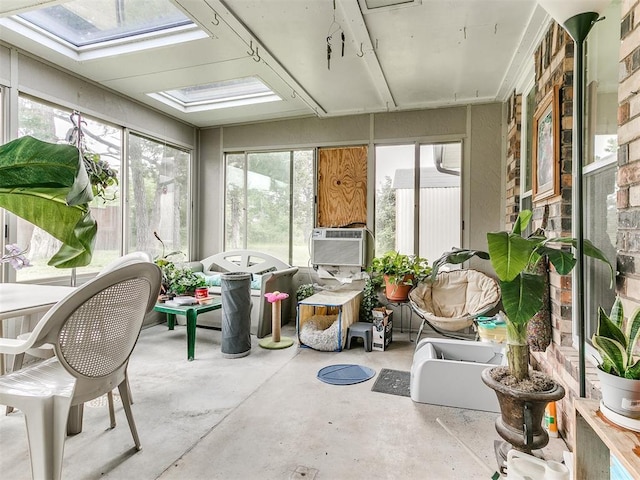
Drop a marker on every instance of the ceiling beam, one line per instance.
(251, 40)
(362, 42)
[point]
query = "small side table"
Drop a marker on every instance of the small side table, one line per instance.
(191, 312)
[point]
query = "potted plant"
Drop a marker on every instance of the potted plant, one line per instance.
(47, 184)
(400, 273)
(522, 393)
(619, 370)
(176, 279)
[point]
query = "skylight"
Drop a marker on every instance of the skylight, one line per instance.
(225, 94)
(88, 22)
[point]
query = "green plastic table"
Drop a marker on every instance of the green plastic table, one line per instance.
(191, 312)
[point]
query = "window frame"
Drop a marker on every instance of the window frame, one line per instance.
(9, 220)
(245, 153)
(417, 143)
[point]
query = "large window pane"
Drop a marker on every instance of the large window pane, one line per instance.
(440, 217)
(601, 145)
(395, 198)
(235, 202)
(600, 228)
(436, 202)
(158, 196)
(303, 205)
(269, 203)
(52, 124)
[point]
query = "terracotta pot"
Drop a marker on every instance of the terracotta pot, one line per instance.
(518, 408)
(397, 292)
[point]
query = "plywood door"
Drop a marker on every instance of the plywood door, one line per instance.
(342, 187)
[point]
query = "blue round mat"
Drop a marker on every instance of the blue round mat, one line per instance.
(345, 374)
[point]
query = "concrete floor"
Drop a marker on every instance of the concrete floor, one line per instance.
(264, 416)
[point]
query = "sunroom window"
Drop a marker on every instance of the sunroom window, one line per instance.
(50, 123)
(600, 162)
(417, 199)
(269, 204)
(158, 197)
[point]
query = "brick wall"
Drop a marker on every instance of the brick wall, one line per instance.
(554, 66)
(628, 181)
(514, 125)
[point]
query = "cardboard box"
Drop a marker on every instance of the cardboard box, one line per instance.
(382, 329)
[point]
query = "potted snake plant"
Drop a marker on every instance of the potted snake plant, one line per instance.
(619, 368)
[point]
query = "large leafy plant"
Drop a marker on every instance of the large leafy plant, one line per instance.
(47, 185)
(515, 259)
(399, 268)
(616, 343)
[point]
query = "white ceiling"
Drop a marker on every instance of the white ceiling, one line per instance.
(429, 54)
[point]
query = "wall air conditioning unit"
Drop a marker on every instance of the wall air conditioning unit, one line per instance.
(339, 247)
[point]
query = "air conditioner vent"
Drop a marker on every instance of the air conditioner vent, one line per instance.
(338, 247)
(344, 233)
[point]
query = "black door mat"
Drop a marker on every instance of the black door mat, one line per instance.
(394, 382)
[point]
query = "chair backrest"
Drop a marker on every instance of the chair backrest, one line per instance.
(458, 293)
(128, 259)
(243, 261)
(95, 328)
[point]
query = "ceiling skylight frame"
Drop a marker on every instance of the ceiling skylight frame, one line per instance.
(219, 102)
(374, 6)
(166, 37)
(77, 23)
(184, 30)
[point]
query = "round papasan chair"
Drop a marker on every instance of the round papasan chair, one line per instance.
(453, 300)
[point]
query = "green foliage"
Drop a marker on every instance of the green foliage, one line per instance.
(177, 279)
(398, 265)
(370, 298)
(305, 291)
(47, 185)
(385, 216)
(615, 345)
(101, 175)
(514, 259)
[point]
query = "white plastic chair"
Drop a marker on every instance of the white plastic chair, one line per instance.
(93, 331)
(46, 351)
